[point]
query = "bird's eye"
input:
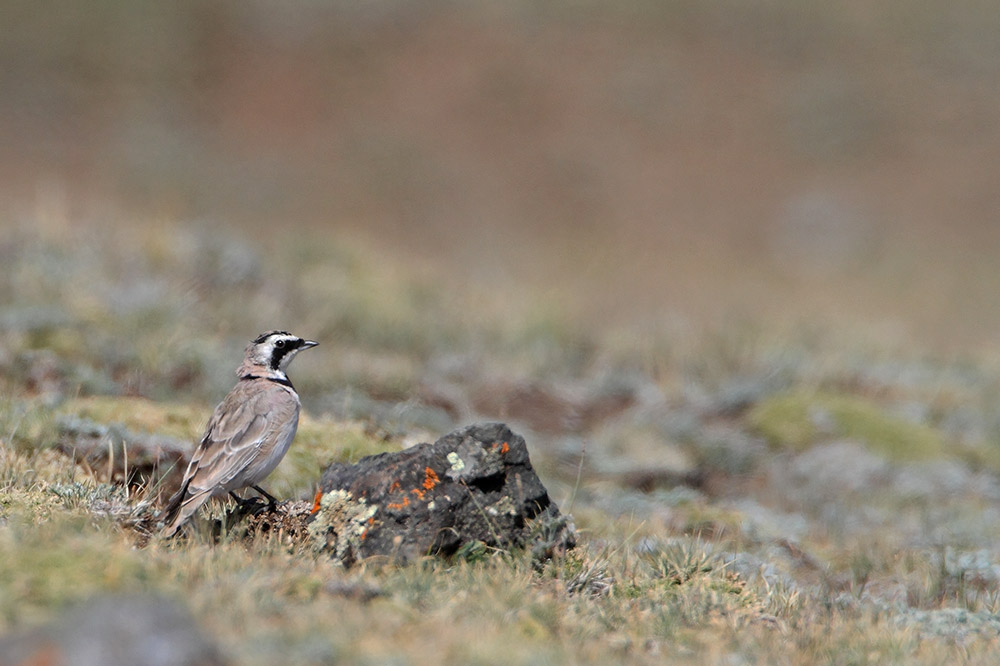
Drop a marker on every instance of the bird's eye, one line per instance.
(280, 344)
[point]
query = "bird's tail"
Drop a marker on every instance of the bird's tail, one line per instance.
(180, 507)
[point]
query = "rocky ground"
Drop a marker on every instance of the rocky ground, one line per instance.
(750, 494)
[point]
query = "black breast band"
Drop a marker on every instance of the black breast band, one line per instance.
(276, 380)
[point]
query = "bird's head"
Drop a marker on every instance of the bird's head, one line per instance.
(274, 350)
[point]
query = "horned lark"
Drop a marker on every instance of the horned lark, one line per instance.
(248, 434)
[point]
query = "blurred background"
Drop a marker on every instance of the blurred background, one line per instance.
(635, 165)
(729, 267)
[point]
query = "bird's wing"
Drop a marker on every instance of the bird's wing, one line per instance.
(241, 427)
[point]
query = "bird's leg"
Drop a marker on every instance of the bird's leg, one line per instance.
(272, 504)
(246, 505)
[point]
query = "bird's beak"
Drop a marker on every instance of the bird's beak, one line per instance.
(306, 344)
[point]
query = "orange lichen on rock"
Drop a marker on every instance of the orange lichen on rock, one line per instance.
(364, 531)
(399, 505)
(395, 486)
(319, 496)
(504, 448)
(430, 478)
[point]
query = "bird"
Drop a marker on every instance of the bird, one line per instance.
(249, 432)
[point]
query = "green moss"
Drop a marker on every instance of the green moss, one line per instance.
(798, 419)
(138, 414)
(61, 341)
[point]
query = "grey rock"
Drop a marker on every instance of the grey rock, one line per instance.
(740, 393)
(638, 455)
(957, 624)
(752, 568)
(32, 318)
(133, 457)
(630, 504)
(115, 631)
(886, 593)
(839, 469)
(728, 450)
(944, 479)
(761, 523)
(978, 568)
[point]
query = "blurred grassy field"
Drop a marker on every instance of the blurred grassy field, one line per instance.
(635, 163)
(761, 492)
(730, 270)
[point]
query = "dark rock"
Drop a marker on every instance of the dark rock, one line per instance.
(473, 486)
(114, 631)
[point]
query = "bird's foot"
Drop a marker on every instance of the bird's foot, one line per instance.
(272, 504)
(253, 506)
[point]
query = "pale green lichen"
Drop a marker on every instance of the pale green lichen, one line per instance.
(457, 464)
(340, 524)
(504, 506)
